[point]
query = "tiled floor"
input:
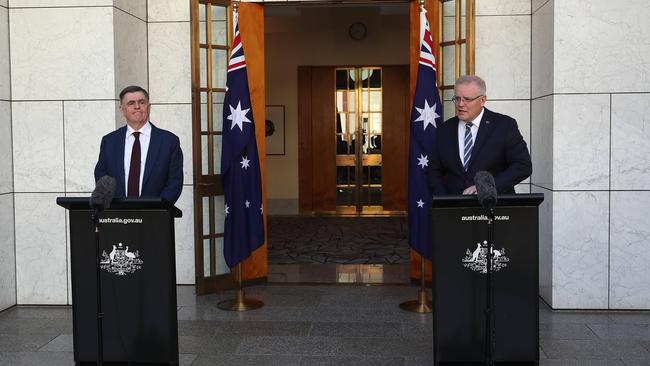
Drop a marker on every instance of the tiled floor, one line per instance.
(326, 325)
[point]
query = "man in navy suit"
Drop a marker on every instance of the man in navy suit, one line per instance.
(144, 160)
(477, 139)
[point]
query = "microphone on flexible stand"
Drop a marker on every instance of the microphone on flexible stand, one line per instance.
(103, 194)
(486, 190)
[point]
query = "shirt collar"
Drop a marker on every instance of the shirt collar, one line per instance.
(145, 130)
(476, 121)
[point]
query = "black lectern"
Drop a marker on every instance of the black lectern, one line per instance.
(459, 285)
(138, 281)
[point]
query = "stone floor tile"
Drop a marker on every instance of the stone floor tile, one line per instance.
(356, 329)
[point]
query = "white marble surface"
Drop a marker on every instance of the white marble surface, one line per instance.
(56, 3)
(522, 187)
(130, 52)
(542, 51)
(38, 146)
(630, 141)
(85, 124)
(4, 3)
(506, 77)
(6, 151)
(545, 244)
(7, 252)
(580, 250)
(169, 63)
(541, 147)
(41, 258)
(137, 8)
(502, 7)
(630, 258)
(581, 130)
(5, 91)
(62, 53)
(602, 45)
(169, 11)
(184, 229)
(537, 4)
(177, 118)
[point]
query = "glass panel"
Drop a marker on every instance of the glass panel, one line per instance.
(342, 175)
(375, 100)
(218, 214)
(352, 98)
(219, 65)
(219, 32)
(341, 144)
(341, 79)
(345, 196)
(364, 196)
(218, 12)
(375, 144)
(375, 196)
(352, 77)
(375, 78)
(375, 175)
(449, 8)
(375, 123)
(339, 101)
(203, 62)
(447, 94)
(463, 57)
(204, 155)
(222, 267)
(463, 27)
(448, 56)
(448, 28)
(352, 145)
(202, 32)
(341, 123)
(205, 203)
(352, 123)
(202, 11)
(217, 154)
(206, 257)
(365, 174)
(217, 110)
(204, 116)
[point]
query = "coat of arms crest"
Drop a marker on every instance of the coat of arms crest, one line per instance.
(477, 260)
(120, 260)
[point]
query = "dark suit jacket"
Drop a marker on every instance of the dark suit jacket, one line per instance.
(498, 148)
(163, 171)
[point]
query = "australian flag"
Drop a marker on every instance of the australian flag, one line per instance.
(240, 164)
(425, 116)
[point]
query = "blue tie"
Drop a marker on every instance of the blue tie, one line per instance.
(467, 151)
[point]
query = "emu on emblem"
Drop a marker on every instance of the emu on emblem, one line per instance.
(477, 260)
(120, 260)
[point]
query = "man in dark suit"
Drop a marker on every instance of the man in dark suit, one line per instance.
(477, 139)
(144, 160)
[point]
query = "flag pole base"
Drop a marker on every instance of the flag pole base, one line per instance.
(240, 303)
(421, 305)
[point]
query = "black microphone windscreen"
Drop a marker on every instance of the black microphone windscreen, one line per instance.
(103, 193)
(485, 187)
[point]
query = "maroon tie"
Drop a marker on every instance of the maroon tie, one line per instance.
(134, 168)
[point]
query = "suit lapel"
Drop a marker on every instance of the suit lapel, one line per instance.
(152, 154)
(484, 131)
(454, 138)
(119, 152)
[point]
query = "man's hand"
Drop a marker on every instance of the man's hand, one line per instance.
(470, 190)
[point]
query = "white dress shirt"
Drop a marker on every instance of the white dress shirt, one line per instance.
(145, 137)
(461, 135)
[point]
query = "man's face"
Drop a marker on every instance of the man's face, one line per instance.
(468, 106)
(135, 108)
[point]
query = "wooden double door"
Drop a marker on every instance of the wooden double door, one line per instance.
(353, 128)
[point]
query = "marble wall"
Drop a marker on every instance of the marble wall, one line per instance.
(591, 101)
(171, 96)
(7, 249)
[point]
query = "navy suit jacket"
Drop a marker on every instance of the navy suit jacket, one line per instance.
(498, 148)
(163, 171)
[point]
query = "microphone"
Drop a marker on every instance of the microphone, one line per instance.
(103, 194)
(486, 190)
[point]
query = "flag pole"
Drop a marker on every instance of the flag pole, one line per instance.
(422, 304)
(240, 302)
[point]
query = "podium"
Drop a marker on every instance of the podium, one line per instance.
(459, 227)
(138, 281)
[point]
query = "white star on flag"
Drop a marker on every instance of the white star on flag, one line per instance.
(420, 203)
(226, 210)
(428, 115)
(247, 203)
(238, 116)
(262, 209)
(423, 161)
(244, 162)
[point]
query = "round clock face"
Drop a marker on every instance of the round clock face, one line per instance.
(358, 31)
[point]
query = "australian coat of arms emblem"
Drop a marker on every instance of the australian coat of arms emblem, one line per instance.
(476, 260)
(120, 260)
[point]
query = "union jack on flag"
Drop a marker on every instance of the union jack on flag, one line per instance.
(425, 117)
(240, 164)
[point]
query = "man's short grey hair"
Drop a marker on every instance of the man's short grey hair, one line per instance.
(469, 79)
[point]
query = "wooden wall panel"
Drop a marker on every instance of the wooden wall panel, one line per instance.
(323, 139)
(395, 134)
(305, 152)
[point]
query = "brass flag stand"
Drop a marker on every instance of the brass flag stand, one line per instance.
(422, 304)
(240, 302)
